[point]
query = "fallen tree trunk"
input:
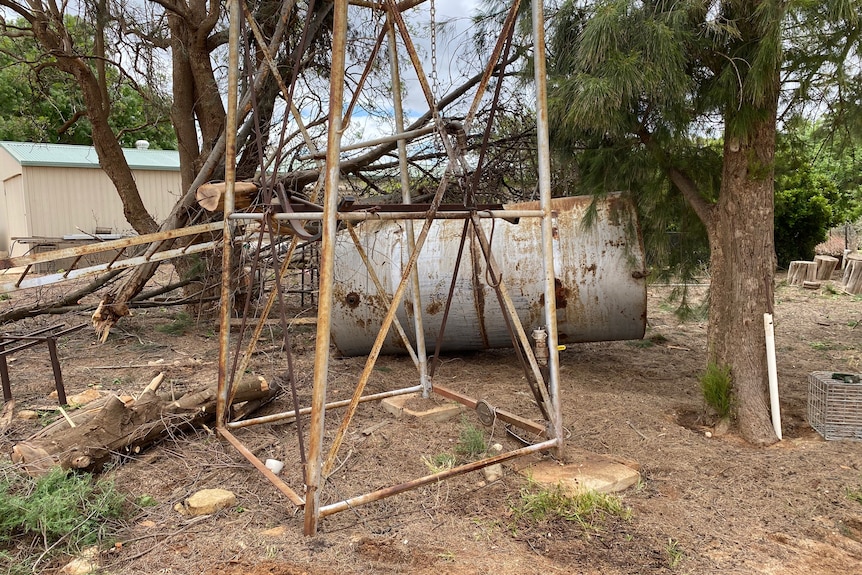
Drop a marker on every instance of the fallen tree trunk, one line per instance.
(125, 425)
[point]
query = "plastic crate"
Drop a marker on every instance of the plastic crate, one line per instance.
(835, 405)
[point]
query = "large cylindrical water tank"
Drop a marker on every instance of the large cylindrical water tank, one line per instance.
(599, 270)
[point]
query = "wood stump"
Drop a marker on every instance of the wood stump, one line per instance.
(825, 266)
(801, 272)
(852, 280)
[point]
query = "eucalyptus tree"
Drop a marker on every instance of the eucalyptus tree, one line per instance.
(679, 101)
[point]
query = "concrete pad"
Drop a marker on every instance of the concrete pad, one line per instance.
(588, 471)
(397, 407)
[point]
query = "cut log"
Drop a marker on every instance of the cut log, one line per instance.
(810, 285)
(825, 266)
(852, 280)
(801, 271)
(210, 196)
(124, 426)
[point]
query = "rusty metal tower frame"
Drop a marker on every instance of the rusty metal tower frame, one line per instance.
(319, 461)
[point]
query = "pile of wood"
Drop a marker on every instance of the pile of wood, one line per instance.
(125, 425)
(810, 274)
(852, 279)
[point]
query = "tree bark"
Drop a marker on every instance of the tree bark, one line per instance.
(742, 264)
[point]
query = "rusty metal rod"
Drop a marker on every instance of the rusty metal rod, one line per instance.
(358, 216)
(502, 414)
(402, 6)
(509, 306)
(384, 328)
(71, 267)
(273, 69)
(327, 267)
(544, 156)
(36, 338)
(419, 329)
(4, 374)
(287, 416)
(509, 23)
(24, 273)
(413, 484)
(100, 268)
(55, 366)
(272, 477)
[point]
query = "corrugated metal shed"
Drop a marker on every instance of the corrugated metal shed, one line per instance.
(48, 191)
(69, 156)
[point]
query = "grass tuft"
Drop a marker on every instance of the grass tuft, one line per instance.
(181, 324)
(588, 508)
(674, 552)
(438, 463)
(717, 388)
(471, 442)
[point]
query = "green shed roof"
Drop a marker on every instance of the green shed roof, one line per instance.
(69, 156)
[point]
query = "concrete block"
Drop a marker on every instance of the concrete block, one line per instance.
(397, 406)
(588, 471)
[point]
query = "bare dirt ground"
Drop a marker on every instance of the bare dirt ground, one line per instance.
(704, 505)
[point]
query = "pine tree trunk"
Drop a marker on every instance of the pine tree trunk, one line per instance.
(742, 265)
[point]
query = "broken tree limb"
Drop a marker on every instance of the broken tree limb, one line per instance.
(70, 299)
(210, 196)
(125, 425)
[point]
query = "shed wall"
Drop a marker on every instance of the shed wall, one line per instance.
(10, 189)
(66, 201)
(13, 213)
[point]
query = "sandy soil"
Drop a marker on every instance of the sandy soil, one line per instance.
(704, 505)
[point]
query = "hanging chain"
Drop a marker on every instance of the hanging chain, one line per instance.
(435, 89)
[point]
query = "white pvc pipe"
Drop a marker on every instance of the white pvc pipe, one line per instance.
(772, 372)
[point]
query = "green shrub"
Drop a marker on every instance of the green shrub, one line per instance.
(717, 388)
(803, 215)
(63, 511)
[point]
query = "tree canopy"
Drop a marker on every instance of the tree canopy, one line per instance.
(679, 103)
(39, 104)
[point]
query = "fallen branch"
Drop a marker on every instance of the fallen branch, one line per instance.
(125, 425)
(66, 303)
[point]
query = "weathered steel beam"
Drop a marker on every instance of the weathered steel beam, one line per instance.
(313, 475)
(375, 215)
(287, 416)
(415, 483)
(548, 225)
(272, 477)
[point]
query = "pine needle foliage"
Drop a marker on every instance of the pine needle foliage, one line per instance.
(62, 512)
(717, 388)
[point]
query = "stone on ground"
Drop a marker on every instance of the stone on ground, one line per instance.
(208, 501)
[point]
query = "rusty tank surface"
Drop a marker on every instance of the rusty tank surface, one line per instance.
(599, 270)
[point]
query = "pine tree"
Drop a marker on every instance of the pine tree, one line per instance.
(677, 100)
